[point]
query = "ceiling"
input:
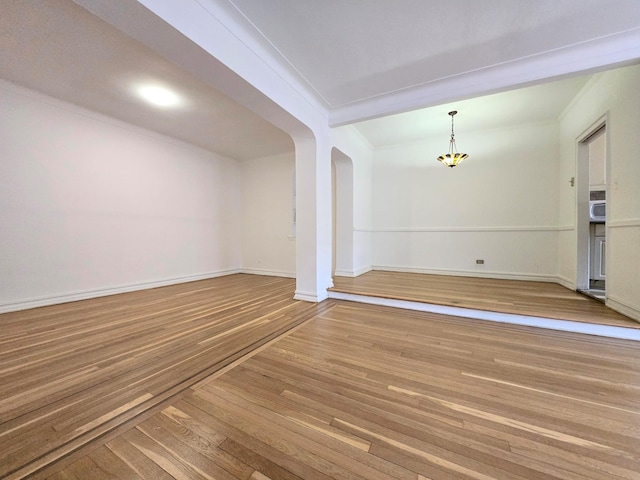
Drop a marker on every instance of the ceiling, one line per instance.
(352, 50)
(347, 52)
(60, 49)
(539, 103)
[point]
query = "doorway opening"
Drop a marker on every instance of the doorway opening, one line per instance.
(342, 214)
(591, 211)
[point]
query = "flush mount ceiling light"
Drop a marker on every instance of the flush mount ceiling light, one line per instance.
(452, 158)
(159, 96)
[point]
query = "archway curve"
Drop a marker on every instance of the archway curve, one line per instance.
(213, 54)
(343, 252)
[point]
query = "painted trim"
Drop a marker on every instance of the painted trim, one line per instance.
(310, 296)
(595, 53)
(104, 292)
(629, 222)
(566, 282)
(269, 273)
(465, 229)
(351, 274)
(525, 320)
(222, 22)
(344, 273)
(622, 307)
(535, 277)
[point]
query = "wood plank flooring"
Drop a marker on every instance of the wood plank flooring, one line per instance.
(72, 373)
(367, 392)
(538, 299)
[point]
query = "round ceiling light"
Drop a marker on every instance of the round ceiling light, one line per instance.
(159, 96)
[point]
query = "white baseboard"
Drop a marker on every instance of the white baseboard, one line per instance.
(535, 277)
(344, 273)
(269, 273)
(351, 274)
(85, 295)
(620, 306)
(310, 296)
(453, 312)
(566, 282)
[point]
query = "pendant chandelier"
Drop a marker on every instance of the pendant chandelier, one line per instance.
(452, 158)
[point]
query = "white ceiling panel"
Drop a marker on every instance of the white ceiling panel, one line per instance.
(60, 49)
(363, 55)
(351, 50)
(538, 103)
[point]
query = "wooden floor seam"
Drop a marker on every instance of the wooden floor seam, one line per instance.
(37, 419)
(197, 381)
(231, 378)
(570, 326)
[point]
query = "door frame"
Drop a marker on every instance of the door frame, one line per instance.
(583, 243)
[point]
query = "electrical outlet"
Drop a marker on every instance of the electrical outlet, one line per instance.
(480, 262)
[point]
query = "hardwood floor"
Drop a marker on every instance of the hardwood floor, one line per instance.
(231, 378)
(72, 373)
(369, 392)
(538, 299)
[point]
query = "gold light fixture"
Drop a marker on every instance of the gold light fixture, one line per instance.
(452, 158)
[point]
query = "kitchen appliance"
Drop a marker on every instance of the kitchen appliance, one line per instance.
(597, 267)
(597, 206)
(597, 233)
(597, 211)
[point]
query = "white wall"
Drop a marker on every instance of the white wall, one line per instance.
(268, 247)
(90, 205)
(221, 54)
(363, 212)
(616, 96)
(359, 152)
(499, 205)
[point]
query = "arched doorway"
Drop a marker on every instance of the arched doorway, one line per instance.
(342, 208)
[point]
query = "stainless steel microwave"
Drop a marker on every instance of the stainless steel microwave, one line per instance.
(597, 210)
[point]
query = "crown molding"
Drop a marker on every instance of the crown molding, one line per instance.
(587, 57)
